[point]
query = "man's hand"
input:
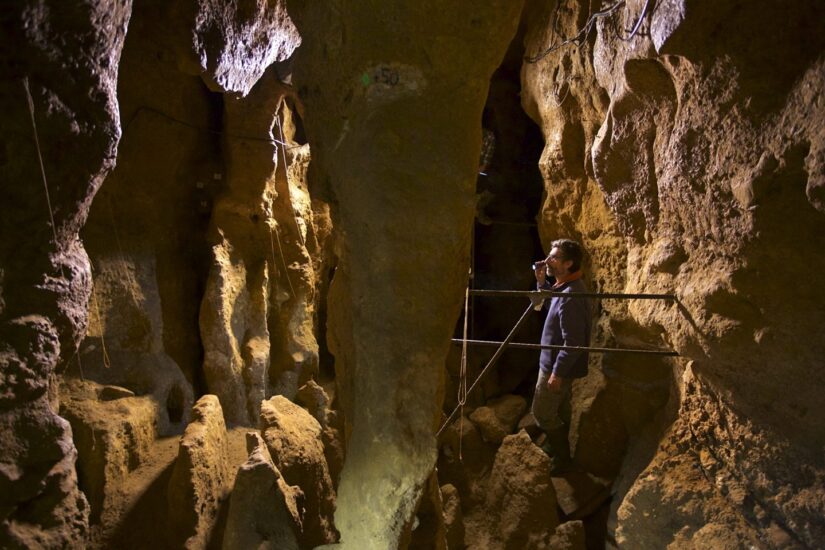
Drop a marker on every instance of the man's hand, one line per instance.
(554, 383)
(541, 272)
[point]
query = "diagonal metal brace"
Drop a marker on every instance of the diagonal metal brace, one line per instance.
(491, 362)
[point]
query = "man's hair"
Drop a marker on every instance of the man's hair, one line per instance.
(571, 251)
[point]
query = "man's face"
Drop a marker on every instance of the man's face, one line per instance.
(557, 266)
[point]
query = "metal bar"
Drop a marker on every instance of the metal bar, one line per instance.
(550, 294)
(574, 348)
(491, 362)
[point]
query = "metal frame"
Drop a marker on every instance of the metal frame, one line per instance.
(537, 298)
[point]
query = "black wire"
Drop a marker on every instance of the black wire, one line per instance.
(146, 108)
(580, 37)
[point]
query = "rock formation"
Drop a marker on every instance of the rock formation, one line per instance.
(294, 441)
(264, 511)
(683, 143)
(200, 479)
(685, 157)
(394, 122)
(61, 130)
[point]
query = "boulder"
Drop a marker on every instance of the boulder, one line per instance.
(568, 536)
(264, 512)
(294, 440)
(314, 399)
(521, 502)
(453, 517)
(464, 458)
(500, 417)
(113, 438)
(200, 478)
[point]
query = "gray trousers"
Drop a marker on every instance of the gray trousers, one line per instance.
(551, 409)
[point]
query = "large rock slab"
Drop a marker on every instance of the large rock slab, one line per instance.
(113, 432)
(293, 438)
(520, 509)
(200, 478)
(264, 512)
(499, 417)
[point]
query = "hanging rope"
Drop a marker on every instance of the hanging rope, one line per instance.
(42, 168)
(106, 362)
(462, 377)
(281, 251)
(30, 101)
(286, 176)
(491, 362)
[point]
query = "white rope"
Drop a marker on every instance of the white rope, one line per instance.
(281, 251)
(286, 176)
(42, 168)
(462, 380)
(48, 197)
(106, 361)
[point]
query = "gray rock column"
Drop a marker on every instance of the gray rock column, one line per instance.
(393, 94)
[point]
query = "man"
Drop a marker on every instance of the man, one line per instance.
(567, 324)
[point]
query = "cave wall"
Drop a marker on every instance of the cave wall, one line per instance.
(67, 54)
(688, 160)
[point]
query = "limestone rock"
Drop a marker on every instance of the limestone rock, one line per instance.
(568, 536)
(314, 398)
(60, 61)
(364, 92)
(453, 518)
(500, 417)
(113, 439)
(264, 512)
(673, 189)
(145, 228)
(258, 312)
(521, 501)
(464, 459)
(293, 438)
(233, 43)
(200, 478)
(56, 512)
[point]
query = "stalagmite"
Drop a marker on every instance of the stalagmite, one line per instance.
(393, 95)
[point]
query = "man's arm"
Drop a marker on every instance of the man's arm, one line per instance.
(574, 330)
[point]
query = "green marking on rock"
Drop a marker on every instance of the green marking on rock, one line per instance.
(365, 79)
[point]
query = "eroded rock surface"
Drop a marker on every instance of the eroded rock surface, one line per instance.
(365, 92)
(264, 512)
(520, 508)
(231, 43)
(113, 432)
(293, 438)
(59, 60)
(690, 166)
(200, 479)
